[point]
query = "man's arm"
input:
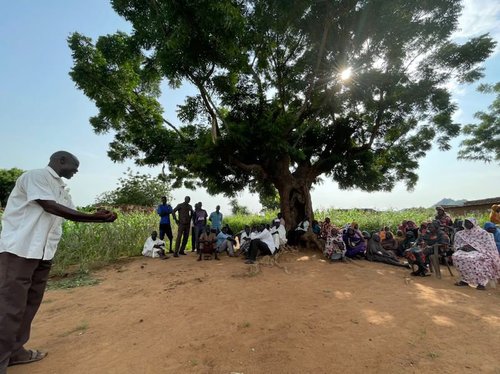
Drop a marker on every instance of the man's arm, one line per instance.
(173, 213)
(50, 206)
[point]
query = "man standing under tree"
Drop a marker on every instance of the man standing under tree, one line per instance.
(216, 219)
(183, 224)
(164, 210)
(31, 230)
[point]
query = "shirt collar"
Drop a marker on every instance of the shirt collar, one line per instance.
(55, 175)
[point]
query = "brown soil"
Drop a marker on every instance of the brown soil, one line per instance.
(304, 316)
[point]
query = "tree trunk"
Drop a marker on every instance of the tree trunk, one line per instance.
(295, 201)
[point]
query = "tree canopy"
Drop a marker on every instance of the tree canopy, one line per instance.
(8, 179)
(288, 92)
(136, 189)
(483, 139)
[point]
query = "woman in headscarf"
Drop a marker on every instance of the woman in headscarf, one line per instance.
(375, 252)
(495, 214)
(407, 243)
(326, 229)
(383, 232)
(335, 246)
(409, 226)
(476, 257)
(400, 237)
(354, 242)
(423, 228)
(389, 243)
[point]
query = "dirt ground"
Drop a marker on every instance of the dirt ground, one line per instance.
(304, 316)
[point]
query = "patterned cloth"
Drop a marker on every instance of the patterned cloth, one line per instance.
(334, 247)
(326, 230)
(481, 265)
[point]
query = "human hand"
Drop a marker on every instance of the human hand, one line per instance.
(104, 215)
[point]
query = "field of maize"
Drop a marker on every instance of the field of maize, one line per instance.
(85, 247)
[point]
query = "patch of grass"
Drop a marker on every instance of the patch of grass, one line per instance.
(433, 355)
(81, 328)
(244, 325)
(79, 280)
(193, 362)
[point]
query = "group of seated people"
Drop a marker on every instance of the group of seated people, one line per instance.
(474, 251)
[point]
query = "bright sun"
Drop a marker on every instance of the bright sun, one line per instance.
(346, 74)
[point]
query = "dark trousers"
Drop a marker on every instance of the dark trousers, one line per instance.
(182, 232)
(257, 247)
(22, 284)
(166, 229)
(198, 230)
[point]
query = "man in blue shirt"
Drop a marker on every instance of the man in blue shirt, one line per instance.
(216, 219)
(164, 210)
(225, 242)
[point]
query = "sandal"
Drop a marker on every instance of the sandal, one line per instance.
(480, 287)
(461, 283)
(33, 355)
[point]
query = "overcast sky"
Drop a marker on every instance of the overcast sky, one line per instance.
(41, 111)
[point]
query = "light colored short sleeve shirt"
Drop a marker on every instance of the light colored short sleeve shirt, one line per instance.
(216, 220)
(27, 230)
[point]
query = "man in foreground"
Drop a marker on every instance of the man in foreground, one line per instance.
(31, 230)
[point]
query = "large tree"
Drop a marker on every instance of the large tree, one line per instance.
(287, 91)
(483, 139)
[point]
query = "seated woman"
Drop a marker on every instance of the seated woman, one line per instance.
(407, 243)
(495, 214)
(389, 243)
(354, 242)
(407, 226)
(383, 232)
(419, 254)
(476, 256)
(400, 237)
(422, 230)
(326, 229)
(375, 252)
(335, 246)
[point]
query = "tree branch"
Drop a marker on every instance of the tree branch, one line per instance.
(249, 167)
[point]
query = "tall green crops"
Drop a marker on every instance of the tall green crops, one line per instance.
(85, 246)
